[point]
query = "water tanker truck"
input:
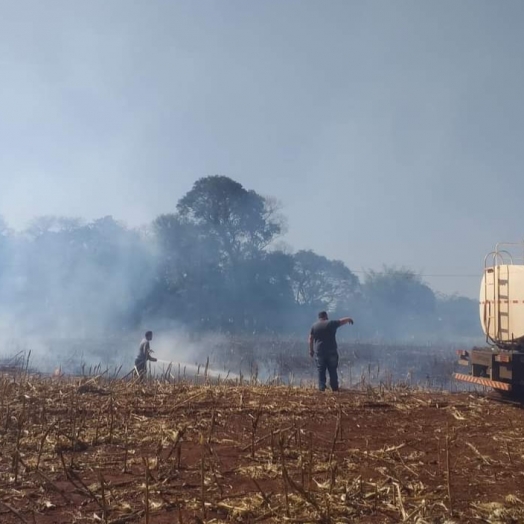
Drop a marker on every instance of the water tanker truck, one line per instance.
(499, 365)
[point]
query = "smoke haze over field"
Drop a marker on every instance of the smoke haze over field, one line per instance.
(205, 276)
(385, 128)
(209, 282)
(389, 132)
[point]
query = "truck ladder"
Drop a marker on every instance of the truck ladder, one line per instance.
(503, 301)
(496, 299)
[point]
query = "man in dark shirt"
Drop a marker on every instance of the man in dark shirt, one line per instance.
(144, 354)
(323, 345)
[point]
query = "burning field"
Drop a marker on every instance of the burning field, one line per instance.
(96, 449)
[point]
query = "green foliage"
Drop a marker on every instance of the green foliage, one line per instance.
(78, 277)
(458, 315)
(404, 304)
(241, 221)
(212, 264)
(400, 288)
(321, 283)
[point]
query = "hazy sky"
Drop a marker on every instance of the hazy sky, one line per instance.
(391, 131)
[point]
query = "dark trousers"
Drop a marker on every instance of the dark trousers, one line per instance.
(141, 367)
(327, 363)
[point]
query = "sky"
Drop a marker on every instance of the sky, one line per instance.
(391, 132)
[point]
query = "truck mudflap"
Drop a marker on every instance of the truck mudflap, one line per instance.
(481, 381)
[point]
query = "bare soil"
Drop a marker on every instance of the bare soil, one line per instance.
(95, 450)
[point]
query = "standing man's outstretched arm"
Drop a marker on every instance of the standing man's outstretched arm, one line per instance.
(346, 320)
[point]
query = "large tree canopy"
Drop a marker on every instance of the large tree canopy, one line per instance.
(211, 264)
(67, 276)
(242, 221)
(321, 283)
(404, 304)
(215, 248)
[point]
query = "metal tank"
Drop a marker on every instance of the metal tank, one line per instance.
(500, 365)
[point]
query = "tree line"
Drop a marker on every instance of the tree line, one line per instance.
(212, 265)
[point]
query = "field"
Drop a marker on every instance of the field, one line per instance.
(99, 449)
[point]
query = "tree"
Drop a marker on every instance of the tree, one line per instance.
(259, 293)
(52, 224)
(82, 278)
(190, 277)
(458, 317)
(213, 254)
(321, 283)
(401, 304)
(243, 222)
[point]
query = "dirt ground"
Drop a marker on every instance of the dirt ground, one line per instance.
(110, 451)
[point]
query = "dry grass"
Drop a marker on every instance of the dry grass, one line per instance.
(102, 449)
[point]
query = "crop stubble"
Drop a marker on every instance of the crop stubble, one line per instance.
(78, 450)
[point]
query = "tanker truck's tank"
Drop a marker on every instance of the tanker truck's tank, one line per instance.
(502, 305)
(500, 365)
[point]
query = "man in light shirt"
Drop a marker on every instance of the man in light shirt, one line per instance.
(144, 354)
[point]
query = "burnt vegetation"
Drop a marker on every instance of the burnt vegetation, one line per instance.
(101, 449)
